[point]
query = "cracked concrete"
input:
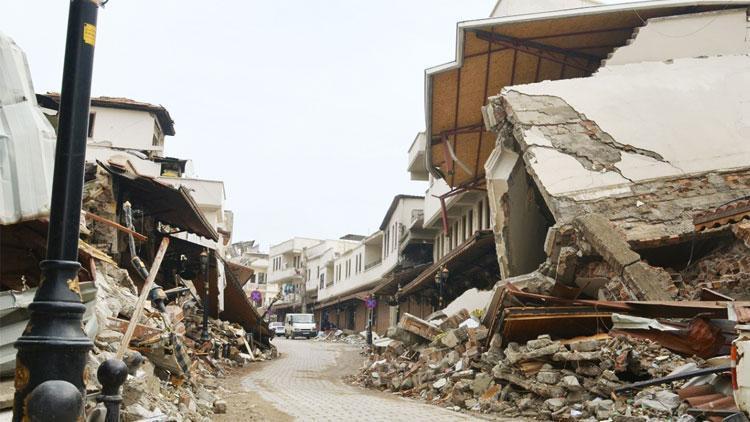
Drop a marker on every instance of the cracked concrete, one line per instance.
(563, 129)
(578, 169)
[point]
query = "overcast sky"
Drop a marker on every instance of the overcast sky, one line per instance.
(305, 109)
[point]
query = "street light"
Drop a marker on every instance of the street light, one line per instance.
(53, 349)
(204, 268)
(441, 277)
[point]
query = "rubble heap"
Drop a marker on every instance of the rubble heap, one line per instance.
(341, 336)
(159, 386)
(543, 379)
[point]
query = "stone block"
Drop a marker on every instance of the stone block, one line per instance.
(481, 383)
(651, 282)
(606, 241)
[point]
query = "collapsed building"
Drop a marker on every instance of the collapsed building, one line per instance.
(611, 144)
(136, 203)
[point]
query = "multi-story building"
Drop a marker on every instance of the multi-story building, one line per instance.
(400, 243)
(132, 130)
(285, 269)
(457, 223)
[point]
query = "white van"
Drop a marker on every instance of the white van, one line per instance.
(300, 325)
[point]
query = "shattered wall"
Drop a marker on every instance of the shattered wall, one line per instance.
(648, 157)
(519, 217)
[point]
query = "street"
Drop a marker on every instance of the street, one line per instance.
(304, 383)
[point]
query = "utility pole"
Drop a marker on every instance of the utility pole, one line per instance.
(52, 352)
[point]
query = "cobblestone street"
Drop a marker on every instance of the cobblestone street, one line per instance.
(305, 383)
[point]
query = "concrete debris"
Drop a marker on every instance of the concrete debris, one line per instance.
(543, 379)
(340, 336)
(173, 374)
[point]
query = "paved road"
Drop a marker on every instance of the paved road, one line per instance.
(305, 383)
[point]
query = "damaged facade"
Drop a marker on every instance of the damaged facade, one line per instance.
(138, 206)
(614, 161)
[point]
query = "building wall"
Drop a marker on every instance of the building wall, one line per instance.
(130, 129)
(701, 34)
(419, 307)
(431, 205)
(475, 217)
(362, 253)
(396, 226)
(520, 7)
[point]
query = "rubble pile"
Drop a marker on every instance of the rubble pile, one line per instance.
(725, 270)
(174, 375)
(340, 336)
(543, 379)
(595, 333)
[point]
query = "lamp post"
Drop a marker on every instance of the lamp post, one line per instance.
(205, 336)
(52, 352)
(441, 277)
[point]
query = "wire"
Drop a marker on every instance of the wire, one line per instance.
(683, 35)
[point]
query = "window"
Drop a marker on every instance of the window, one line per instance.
(480, 216)
(92, 118)
(158, 139)
(487, 212)
(470, 223)
(397, 236)
(464, 230)
(322, 280)
(386, 243)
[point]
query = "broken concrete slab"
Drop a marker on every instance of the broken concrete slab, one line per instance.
(419, 326)
(606, 240)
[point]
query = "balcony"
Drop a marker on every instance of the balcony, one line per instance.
(417, 165)
(373, 264)
(284, 275)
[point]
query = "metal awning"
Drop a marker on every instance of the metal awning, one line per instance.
(242, 272)
(498, 52)
(480, 244)
(172, 206)
(362, 295)
(390, 285)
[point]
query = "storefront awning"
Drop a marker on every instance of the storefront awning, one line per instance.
(169, 205)
(457, 260)
(240, 271)
(498, 52)
(389, 286)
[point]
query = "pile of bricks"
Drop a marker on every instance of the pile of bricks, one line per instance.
(543, 379)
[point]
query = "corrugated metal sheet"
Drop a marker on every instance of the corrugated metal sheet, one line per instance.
(27, 141)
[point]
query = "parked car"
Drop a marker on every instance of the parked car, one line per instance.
(300, 325)
(277, 328)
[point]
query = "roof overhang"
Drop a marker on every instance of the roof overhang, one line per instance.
(241, 272)
(172, 206)
(480, 244)
(497, 52)
(390, 285)
(51, 100)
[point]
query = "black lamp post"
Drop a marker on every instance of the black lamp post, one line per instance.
(52, 351)
(441, 277)
(205, 336)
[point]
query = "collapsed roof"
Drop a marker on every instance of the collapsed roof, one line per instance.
(505, 51)
(648, 156)
(172, 206)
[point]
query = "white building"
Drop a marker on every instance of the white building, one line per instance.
(285, 266)
(126, 130)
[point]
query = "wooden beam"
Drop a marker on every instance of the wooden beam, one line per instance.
(115, 225)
